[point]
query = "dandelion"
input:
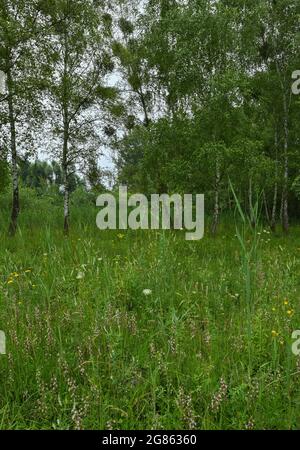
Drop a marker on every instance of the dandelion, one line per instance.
(290, 312)
(285, 302)
(147, 292)
(10, 281)
(274, 333)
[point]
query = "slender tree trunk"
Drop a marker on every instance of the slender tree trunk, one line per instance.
(66, 124)
(14, 166)
(274, 206)
(266, 207)
(66, 180)
(217, 200)
(66, 207)
(144, 106)
(285, 206)
(285, 212)
(281, 207)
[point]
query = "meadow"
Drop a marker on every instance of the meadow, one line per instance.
(144, 330)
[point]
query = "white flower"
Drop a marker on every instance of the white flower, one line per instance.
(147, 292)
(80, 276)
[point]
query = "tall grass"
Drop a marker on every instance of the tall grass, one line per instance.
(248, 229)
(86, 348)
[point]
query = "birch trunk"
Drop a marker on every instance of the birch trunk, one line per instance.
(66, 205)
(66, 124)
(266, 208)
(13, 149)
(285, 206)
(274, 206)
(65, 176)
(217, 200)
(285, 212)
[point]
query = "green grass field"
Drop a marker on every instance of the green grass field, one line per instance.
(88, 349)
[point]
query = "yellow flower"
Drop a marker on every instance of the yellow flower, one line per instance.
(10, 281)
(290, 312)
(285, 302)
(274, 333)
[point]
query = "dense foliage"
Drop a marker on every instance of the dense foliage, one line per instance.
(189, 94)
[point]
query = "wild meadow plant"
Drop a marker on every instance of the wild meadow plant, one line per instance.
(142, 329)
(248, 230)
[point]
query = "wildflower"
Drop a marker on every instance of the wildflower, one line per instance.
(250, 424)
(219, 396)
(147, 292)
(274, 333)
(285, 302)
(290, 312)
(10, 281)
(80, 275)
(185, 404)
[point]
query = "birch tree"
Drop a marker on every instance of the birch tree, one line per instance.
(79, 60)
(18, 107)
